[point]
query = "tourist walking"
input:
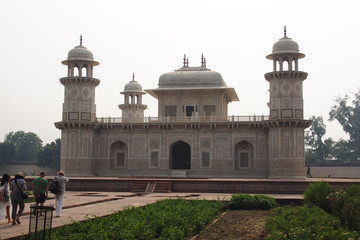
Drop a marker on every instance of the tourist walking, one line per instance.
(40, 190)
(59, 197)
(5, 201)
(18, 186)
(308, 174)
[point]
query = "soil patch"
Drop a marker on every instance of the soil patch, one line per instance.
(237, 224)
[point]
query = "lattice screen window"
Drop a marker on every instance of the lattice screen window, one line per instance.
(244, 160)
(154, 162)
(170, 111)
(205, 159)
(120, 159)
(209, 109)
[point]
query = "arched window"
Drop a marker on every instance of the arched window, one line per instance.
(277, 65)
(118, 155)
(243, 155)
(84, 71)
(76, 71)
(294, 65)
(286, 64)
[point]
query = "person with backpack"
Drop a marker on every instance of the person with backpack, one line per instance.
(18, 196)
(59, 196)
(5, 201)
(40, 190)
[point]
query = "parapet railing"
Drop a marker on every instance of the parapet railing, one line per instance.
(179, 119)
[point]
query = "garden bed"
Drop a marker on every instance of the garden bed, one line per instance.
(237, 224)
(168, 219)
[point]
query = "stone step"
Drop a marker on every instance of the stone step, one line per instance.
(162, 187)
(140, 187)
(179, 173)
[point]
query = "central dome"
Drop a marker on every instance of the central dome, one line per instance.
(191, 77)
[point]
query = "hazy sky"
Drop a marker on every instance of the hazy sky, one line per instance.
(150, 38)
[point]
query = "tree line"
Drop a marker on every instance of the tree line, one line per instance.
(26, 147)
(347, 113)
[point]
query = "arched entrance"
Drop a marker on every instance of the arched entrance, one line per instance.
(180, 155)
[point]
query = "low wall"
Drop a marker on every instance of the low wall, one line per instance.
(29, 170)
(256, 186)
(338, 172)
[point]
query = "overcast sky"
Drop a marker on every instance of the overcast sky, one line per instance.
(150, 38)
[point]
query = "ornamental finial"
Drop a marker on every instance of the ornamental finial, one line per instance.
(133, 77)
(184, 62)
(284, 30)
(80, 39)
(202, 60)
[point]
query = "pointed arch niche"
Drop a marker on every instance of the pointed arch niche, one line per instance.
(118, 155)
(243, 155)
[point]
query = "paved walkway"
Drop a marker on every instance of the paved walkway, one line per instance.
(81, 205)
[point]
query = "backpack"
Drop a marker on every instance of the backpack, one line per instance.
(54, 186)
(4, 194)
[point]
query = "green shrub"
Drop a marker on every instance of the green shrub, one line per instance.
(248, 202)
(317, 193)
(350, 213)
(345, 204)
(304, 223)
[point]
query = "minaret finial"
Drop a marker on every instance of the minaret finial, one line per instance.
(187, 62)
(202, 60)
(80, 39)
(284, 30)
(133, 77)
(184, 62)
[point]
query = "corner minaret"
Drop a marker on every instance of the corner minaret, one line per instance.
(79, 113)
(79, 101)
(286, 92)
(286, 123)
(132, 109)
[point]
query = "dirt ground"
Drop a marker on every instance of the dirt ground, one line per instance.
(238, 225)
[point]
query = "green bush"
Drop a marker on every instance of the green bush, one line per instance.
(350, 213)
(304, 223)
(345, 204)
(248, 202)
(168, 219)
(317, 193)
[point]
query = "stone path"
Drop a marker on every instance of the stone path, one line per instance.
(81, 205)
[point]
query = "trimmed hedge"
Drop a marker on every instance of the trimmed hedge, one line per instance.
(251, 202)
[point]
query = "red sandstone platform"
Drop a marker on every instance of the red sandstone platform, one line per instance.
(200, 185)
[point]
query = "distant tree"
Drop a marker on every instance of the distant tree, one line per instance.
(343, 152)
(7, 153)
(349, 118)
(27, 145)
(49, 155)
(318, 149)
